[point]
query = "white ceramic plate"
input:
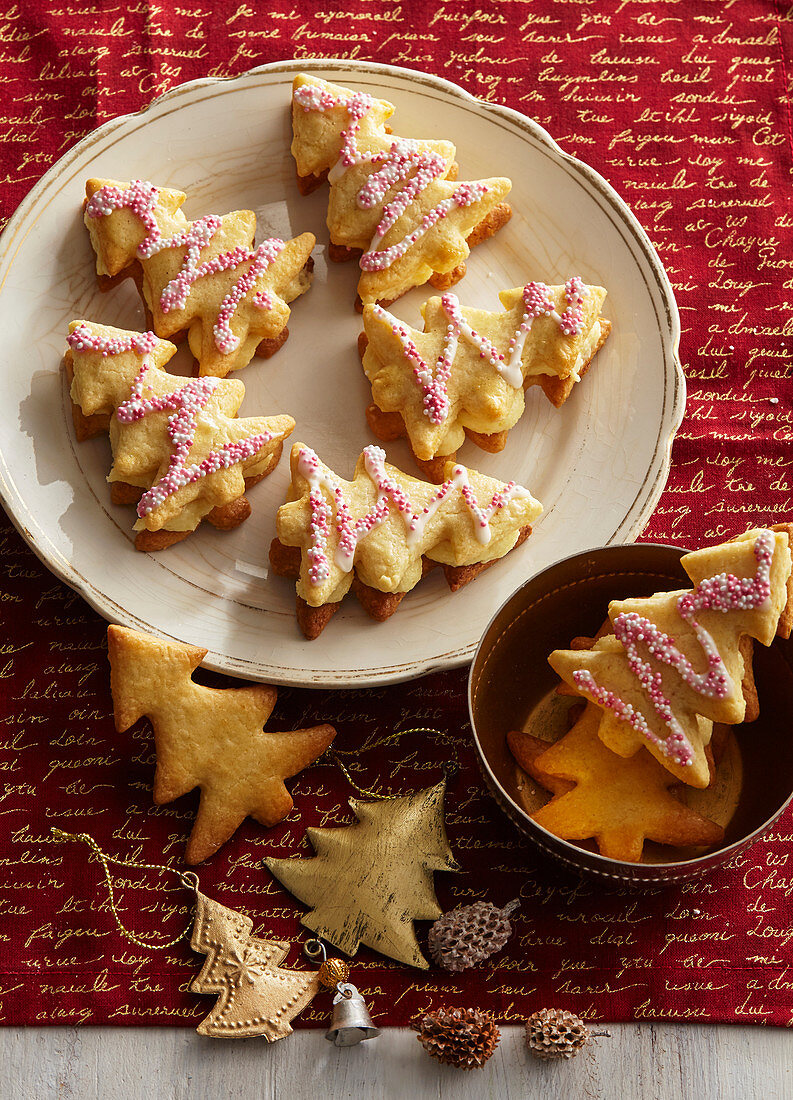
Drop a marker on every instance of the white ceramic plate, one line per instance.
(598, 465)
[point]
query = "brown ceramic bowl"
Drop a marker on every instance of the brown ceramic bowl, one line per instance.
(512, 686)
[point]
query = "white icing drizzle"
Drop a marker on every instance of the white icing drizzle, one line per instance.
(404, 157)
(434, 382)
(389, 492)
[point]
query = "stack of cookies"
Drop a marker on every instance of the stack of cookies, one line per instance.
(660, 686)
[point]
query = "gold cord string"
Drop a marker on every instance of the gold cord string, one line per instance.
(187, 878)
(374, 742)
(335, 756)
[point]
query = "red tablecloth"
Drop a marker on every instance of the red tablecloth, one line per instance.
(684, 108)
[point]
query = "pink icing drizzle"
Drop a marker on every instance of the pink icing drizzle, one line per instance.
(434, 382)
(186, 404)
(82, 339)
(465, 195)
(724, 592)
(141, 198)
(402, 158)
(261, 258)
(350, 532)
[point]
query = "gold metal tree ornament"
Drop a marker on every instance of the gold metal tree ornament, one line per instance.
(370, 881)
(255, 996)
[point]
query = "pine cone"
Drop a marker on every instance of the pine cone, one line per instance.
(462, 1037)
(555, 1033)
(466, 936)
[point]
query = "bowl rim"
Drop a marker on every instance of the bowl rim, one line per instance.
(582, 858)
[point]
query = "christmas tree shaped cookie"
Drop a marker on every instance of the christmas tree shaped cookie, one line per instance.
(205, 278)
(368, 882)
(394, 201)
(466, 373)
(179, 450)
(675, 663)
(256, 996)
(598, 795)
(208, 737)
(381, 531)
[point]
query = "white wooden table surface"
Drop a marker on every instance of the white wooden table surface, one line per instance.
(653, 1061)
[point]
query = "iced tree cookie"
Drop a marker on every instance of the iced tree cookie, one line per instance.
(675, 663)
(205, 278)
(180, 452)
(395, 202)
(466, 373)
(381, 532)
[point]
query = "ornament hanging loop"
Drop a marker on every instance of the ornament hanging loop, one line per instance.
(315, 950)
(332, 971)
(335, 755)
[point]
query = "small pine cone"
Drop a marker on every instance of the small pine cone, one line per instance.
(462, 1037)
(467, 936)
(555, 1033)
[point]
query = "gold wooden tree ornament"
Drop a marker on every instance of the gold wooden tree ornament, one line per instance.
(370, 881)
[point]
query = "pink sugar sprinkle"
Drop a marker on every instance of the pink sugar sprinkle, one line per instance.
(723, 593)
(141, 199)
(185, 403)
(261, 259)
(464, 195)
(83, 339)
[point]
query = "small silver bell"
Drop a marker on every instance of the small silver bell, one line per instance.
(350, 1022)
